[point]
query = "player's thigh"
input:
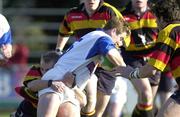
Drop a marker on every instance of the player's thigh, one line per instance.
(68, 109)
(48, 105)
(91, 87)
(141, 85)
(144, 90)
(102, 101)
(170, 109)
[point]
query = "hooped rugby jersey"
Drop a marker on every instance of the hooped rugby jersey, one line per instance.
(167, 50)
(33, 74)
(77, 22)
(5, 32)
(143, 32)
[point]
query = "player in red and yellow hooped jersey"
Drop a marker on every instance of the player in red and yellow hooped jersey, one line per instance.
(77, 21)
(144, 32)
(28, 106)
(166, 53)
(33, 74)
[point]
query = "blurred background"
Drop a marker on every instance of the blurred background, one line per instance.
(34, 25)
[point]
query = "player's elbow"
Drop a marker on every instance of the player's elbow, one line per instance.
(32, 87)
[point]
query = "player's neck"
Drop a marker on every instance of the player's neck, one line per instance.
(90, 12)
(140, 11)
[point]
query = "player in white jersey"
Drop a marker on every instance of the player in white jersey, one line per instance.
(5, 39)
(81, 59)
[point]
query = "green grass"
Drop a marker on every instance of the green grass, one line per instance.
(5, 113)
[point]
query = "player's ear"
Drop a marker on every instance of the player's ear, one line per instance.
(113, 31)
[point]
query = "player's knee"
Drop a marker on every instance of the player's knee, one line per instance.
(91, 101)
(146, 96)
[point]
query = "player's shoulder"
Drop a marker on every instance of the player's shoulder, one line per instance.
(78, 8)
(107, 6)
(4, 25)
(34, 70)
(36, 65)
(112, 9)
(97, 34)
(3, 19)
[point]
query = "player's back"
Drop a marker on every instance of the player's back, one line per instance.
(81, 51)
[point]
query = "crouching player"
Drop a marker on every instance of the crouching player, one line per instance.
(32, 84)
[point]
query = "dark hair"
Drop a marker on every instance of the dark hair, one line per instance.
(50, 56)
(119, 24)
(168, 10)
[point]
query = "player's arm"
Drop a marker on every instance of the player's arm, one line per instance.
(61, 42)
(142, 72)
(57, 85)
(37, 85)
(114, 57)
(147, 71)
(64, 33)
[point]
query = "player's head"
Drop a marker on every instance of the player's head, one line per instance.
(118, 29)
(91, 5)
(139, 4)
(167, 11)
(48, 60)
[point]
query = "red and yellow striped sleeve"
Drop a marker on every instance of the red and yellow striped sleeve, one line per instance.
(33, 74)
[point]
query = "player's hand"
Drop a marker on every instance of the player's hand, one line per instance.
(58, 86)
(68, 79)
(124, 71)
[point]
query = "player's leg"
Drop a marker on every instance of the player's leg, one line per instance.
(172, 106)
(68, 109)
(106, 82)
(144, 107)
(25, 109)
(91, 91)
(102, 102)
(145, 98)
(166, 86)
(48, 105)
(118, 98)
(154, 82)
(80, 96)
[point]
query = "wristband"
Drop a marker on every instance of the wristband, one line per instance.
(59, 51)
(49, 83)
(134, 74)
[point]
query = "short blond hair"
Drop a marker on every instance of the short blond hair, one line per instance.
(119, 24)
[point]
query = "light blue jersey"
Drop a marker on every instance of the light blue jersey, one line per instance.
(81, 58)
(87, 49)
